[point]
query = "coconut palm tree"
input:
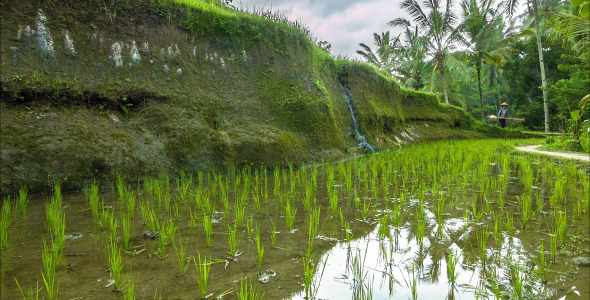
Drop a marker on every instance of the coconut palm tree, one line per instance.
(438, 24)
(484, 36)
(386, 49)
(409, 65)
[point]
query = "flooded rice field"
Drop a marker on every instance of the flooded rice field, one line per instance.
(445, 220)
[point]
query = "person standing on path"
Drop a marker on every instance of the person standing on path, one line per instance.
(503, 114)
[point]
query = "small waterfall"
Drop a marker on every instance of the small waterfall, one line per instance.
(359, 136)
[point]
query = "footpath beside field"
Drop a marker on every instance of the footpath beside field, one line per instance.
(533, 148)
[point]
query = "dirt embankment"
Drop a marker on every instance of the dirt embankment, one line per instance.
(91, 92)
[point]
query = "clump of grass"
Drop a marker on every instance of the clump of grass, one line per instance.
(482, 240)
(180, 253)
(115, 262)
(527, 210)
(149, 217)
(259, 248)
(167, 231)
(553, 241)
(239, 215)
(561, 221)
(290, 215)
(48, 272)
(233, 242)
(20, 206)
(126, 222)
(248, 291)
(208, 224)
(273, 233)
(452, 261)
(510, 225)
(113, 227)
(498, 230)
(203, 268)
(31, 295)
(5, 221)
(130, 292)
(541, 263)
(131, 206)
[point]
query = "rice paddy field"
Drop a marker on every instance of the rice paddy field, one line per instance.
(444, 220)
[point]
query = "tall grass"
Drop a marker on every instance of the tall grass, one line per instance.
(20, 206)
(126, 223)
(260, 249)
(115, 262)
(48, 272)
(208, 225)
(248, 291)
(5, 221)
(290, 215)
(180, 253)
(203, 268)
(149, 217)
(233, 242)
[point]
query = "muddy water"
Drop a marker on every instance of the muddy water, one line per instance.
(391, 262)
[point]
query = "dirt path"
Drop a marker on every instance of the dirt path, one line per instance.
(533, 148)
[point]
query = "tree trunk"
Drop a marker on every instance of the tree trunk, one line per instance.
(483, 115)
(542, 65)
(444, 82)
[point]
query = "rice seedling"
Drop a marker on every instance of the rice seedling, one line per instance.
(126, 223)
(130, 292)
(105, 217)
(176, 211)
(250, 227)
(57, 197)
(180, 253)
(482, 240)
(48, 272)
(517, 277)
(290, 215)
(527, 210)
(203, 268)
(366, 212)
(167, 199)
(273, 233)
(95, 203)
(420, 232)
(541, 263)
(239, 215)
(452, 273)
(561, 222)
(498, 230)
(5, 221)
(309, 268)
(115, 262)
(167, 231)
(131, 206)
(413, 280)
(208, 225)
(510, 225)
(260, 249)
(248, 291)
(31, 295)
(383, 227)
(553, 242)
(233, 242)
(149, 217)
(113, 226)
(20, 207)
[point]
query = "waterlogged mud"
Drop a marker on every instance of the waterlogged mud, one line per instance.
(389, 226)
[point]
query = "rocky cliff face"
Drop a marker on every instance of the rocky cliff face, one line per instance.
(93, 92)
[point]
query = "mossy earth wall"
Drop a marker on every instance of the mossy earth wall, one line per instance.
(99, 89)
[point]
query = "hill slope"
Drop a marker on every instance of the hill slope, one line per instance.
(96, 90)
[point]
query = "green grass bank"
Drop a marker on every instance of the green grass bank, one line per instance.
(97, 89)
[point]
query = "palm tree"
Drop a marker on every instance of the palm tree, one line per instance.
(409, 65)
(484, 36)
(438, 25)
(510, 8)
(386, 47)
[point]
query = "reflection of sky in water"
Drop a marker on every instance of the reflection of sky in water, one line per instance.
(337, 280)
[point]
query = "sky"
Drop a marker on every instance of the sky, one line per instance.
(343, 23)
